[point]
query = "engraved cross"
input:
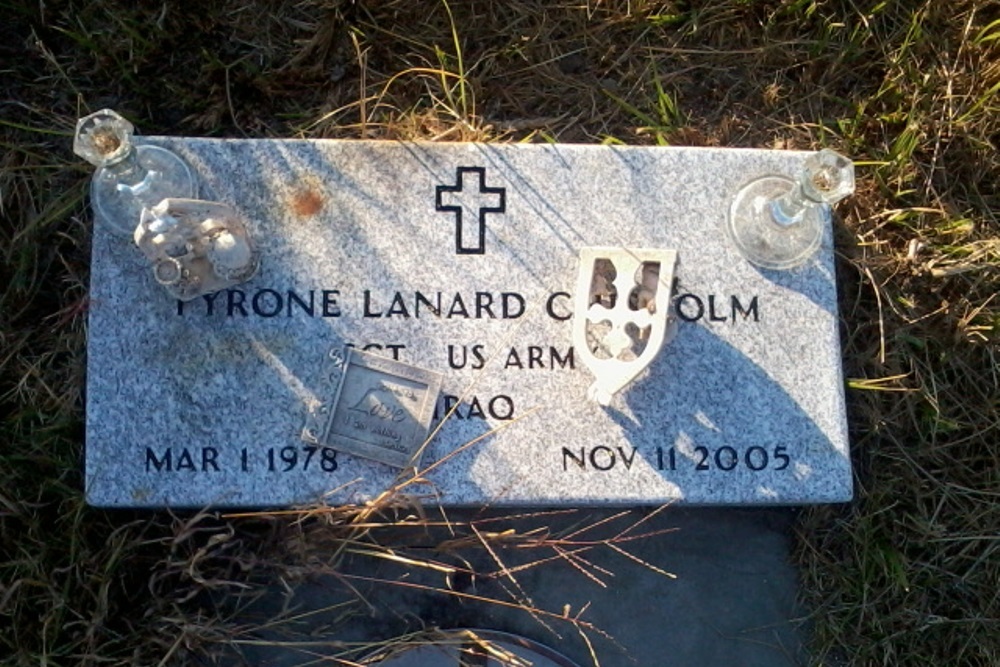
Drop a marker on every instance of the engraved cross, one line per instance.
(470, 204)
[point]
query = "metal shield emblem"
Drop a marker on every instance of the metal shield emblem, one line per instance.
(621, 313)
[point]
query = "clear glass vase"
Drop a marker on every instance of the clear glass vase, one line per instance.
(777, 222)
(128, 177)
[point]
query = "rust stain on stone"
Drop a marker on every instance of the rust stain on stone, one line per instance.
(306, 201)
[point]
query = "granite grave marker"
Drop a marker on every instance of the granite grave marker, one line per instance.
(463, 259)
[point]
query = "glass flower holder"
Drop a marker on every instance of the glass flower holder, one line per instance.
(777, 223)
(196, 247)
(128, 177)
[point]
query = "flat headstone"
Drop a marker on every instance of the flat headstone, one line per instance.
(463, 259)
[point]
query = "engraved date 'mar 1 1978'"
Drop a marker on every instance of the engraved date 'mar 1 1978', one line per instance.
(210, 459)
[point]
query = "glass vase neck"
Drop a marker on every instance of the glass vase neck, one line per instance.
(126, 169)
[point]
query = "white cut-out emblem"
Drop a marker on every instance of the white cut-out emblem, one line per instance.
(621, 313)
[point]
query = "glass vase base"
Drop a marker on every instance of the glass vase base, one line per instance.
(764, 241)
(119, 205)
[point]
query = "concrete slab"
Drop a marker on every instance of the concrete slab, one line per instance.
(731, 599)
(473, 648)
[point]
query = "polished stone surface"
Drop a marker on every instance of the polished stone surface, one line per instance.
(717, 588)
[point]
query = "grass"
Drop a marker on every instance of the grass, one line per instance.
(905, 575)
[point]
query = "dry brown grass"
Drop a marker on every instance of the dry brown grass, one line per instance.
(905, 575)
